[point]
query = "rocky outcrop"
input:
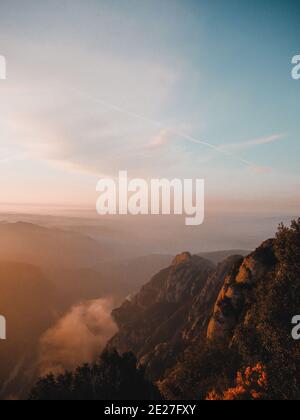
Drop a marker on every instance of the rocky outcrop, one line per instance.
(187, 304)
(181, 259)
(170, 312)
(202, 309)
(237, 287)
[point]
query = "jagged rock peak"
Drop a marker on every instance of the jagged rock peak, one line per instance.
(181, 259)
(237, 289)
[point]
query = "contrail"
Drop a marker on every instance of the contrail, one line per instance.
(161, 125)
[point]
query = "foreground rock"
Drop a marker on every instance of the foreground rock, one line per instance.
(237, 287)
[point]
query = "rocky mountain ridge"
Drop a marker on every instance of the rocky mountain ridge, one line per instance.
(186, 304)
(204, 332)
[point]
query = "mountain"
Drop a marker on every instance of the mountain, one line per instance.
(200, 331)
(191, 300)
(47, 247)
(27, 301)
(121, 243)
(170, 311)
(78, 266)
(219, 256)
(236, 289)
(44, 273)
(224, 332)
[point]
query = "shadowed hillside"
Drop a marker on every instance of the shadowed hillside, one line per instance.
(25, 242)
(27, 301)
(196, 328)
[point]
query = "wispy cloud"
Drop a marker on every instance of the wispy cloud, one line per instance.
(100, 132)
(261, 169)
(164, 137)
(261, 141)
(72, 120)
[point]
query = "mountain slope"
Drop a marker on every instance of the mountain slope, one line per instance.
(237, 289)
(194, 326)
(25, 242)
(27, 302)
(152, 323)
(189, 302)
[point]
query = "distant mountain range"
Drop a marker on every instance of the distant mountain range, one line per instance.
(219, 256)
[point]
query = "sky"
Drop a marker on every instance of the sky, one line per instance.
(160, 88)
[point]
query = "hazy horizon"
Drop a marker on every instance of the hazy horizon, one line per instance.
(166, 235)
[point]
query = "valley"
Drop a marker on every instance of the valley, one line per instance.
(63, 278)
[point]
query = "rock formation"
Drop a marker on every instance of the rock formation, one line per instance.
(171, 311)
(238, 284)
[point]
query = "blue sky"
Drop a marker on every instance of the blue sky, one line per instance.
(94, 87)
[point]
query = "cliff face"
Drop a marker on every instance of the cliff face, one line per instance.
(202, 309)
(170, 312)
(238, 284)
(189, 303)
(152, 324)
